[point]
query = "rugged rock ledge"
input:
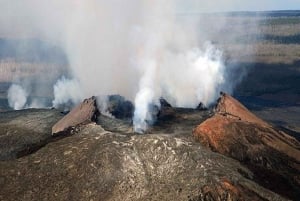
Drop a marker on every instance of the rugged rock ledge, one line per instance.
(83, 113)
(273, 156)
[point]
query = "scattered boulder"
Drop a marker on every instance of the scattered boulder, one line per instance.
(83, 113)
(235, 132)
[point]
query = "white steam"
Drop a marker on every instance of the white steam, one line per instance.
(102, 104)
(36, 103)
(67, 91)
(184, 79)
(17, 96)
(140, 49)
(145, 97)
(200, 77)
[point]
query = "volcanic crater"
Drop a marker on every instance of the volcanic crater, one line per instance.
(221, 153)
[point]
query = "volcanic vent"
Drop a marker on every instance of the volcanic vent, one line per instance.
(106, 158)
(117, 115)
(232, 130)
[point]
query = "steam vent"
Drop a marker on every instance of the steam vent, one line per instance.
(86, 155)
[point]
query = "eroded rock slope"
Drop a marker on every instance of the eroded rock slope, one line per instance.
(271, 154)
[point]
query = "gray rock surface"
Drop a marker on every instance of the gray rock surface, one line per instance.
(96, 164)
(24, 131)
(107, 161)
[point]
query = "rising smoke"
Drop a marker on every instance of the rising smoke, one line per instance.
(67, 92)
(17, 96)
(140, 49)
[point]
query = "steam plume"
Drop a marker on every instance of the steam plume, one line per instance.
(140, 49)
(17, 96)
(67, 91)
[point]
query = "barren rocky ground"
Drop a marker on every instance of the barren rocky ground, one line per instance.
(100, 164)
(23, 132)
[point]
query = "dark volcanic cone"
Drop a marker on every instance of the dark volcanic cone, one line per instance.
(273, 156)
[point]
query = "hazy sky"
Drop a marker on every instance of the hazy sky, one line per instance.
(238, 5)
(18, 15)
